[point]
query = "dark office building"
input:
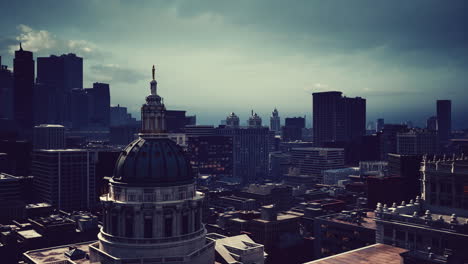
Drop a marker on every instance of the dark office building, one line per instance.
(176, 120)
(123, 135)
(292, 129)
(6, 92)
(370, 147)
(65, 178)
(99, 103)
(337, 118)
(388, 139)
(407, 167)
(211, 155)
(80, 109)
(18, 156)
(64, 71)
(60, 74)
(444, 120)
(251, 147)
(23, 92)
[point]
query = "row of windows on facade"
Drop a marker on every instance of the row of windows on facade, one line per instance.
(148, 197)
(148, 225)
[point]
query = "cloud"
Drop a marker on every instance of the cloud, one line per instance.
(115, 73)
(44, 42)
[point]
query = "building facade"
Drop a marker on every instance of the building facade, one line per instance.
(275, 121)
(65, 178)
(49, 137)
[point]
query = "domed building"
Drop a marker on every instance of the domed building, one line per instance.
(152, 213)
(255, 120)
(232, 120)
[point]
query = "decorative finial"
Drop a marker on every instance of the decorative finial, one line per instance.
(21, 47)
(153, 70)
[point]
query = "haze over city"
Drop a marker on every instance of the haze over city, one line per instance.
(215, 57)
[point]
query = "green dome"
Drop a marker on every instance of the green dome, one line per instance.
(153, 162)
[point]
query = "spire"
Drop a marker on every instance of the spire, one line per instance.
(21, 47)
(153, 70)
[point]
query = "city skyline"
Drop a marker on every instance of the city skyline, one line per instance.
(261, 55)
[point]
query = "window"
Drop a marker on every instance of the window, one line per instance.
(129, 225)
(185, 223)
(148, 226)
(168, 226)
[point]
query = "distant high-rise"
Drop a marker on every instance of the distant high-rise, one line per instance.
(292, 129)
(444, 120)
(255, 120)
(379, 125)
(417, 142)
(6, 92)
(232, 120)
(431, 123)
(312, 161)
(100, 105)
(337, 118)
(49, 137)
(251, 147)
(60, 74)
(23, 92)
(64, 71)
(275, 121)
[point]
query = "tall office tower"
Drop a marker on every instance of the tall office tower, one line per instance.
(232, 120)
(6, 92)
(211, 155)
(337, 118)
(251, 146)
(23, 92)
(444, 120)
(417, 142)
(431, 123)
(49, 137)
(275, 121)
(65, 178)
(255, 120)
(388, 139)
(292, 129)
(99, 103)
(379, 125)
(81, 108)
(312, 161)
(61, 74)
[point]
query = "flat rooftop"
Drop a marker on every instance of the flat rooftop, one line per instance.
(56, 254)
(366, 222)
(373, 254)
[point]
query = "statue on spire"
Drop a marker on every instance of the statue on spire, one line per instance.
(21, 47)
(153, 70)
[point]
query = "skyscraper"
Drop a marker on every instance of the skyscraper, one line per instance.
(6, 92)
(292, 129)
(232, 120)
(255, 120)
(99, 97)
(337, 118)
(65, 178)
(379, 125)
(444, 120)
(251, 146)
(275, 121)
(60, 74)
(23, 83)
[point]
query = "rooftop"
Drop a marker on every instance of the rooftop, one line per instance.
(57, 254)
(373, 254)
(352, 218)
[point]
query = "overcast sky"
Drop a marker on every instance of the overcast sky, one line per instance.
(215, 57)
